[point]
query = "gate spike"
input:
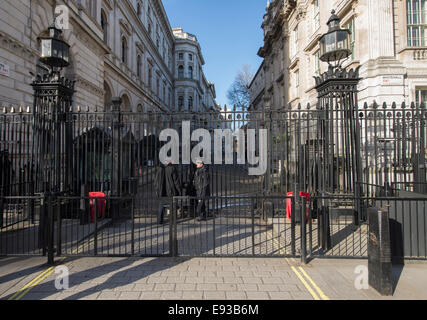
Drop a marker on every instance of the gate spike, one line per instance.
(393, 106)
(412, 105)
(403, 105)
(384, 105)
(79, 109)
(21, 109)
(87, 108)
(28, 109)
(365, 105)
(375, 105)
(12, 109)
(4, 109)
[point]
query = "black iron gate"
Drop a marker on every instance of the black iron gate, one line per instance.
(82, 183)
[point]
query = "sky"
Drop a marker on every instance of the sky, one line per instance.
(229, 33)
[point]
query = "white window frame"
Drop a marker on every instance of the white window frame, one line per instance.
(416, 19)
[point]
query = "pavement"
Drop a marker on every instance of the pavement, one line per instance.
(105, 278)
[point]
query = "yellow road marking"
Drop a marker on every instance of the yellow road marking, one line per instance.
(315, 295)
(35, 283)
(91, 240)
(30, 283)
(319, 291)
(305, 284)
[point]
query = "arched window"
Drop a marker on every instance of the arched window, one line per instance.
(139, 66)
(124, 50)
(180, 103)
(104, 26)
(180, 72)
(190, 72)
(190, 103)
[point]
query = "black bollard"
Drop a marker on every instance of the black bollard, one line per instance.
(379, 252)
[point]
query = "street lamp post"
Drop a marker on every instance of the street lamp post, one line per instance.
(338, 124)
(52, 128)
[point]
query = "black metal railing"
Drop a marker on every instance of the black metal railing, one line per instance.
(69, 160)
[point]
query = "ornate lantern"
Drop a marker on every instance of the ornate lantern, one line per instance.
(335, 45)
(55, 51)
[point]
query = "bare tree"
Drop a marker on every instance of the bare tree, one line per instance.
(238, 94)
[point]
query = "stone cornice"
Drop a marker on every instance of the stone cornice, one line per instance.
(17, 47)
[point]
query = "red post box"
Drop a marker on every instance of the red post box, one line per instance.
(99, 198)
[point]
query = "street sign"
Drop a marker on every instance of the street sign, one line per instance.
(4, 70)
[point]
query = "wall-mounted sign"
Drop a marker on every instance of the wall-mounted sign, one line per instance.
(4, 70)
(392, 80)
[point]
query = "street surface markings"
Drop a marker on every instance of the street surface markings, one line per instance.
(87, 244)
(315, 290)
(22, 292)
(41, 277)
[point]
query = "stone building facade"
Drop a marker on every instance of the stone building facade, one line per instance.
(193, 93)
(388, 41)
(118, 49)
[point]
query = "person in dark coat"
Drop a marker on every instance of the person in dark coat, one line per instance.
(6, 174)
(202, 185)
(188, 189)
(167, 185)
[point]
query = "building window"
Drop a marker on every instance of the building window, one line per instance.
(91, 7)
(124, 50)
(149, 29)
(190, 72)
(297, 79)
(421, 96)
(150, 76)
(417, 22)
(316, 15)
(180, 72)
(180, 56)
(294, 42)
(190, 56)
(180, 103)
(351, 26)
(139, 10)
(190, 103)
(104, 26)
(139, 66)
(317, 63)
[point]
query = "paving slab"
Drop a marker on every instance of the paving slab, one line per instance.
(159, 278)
